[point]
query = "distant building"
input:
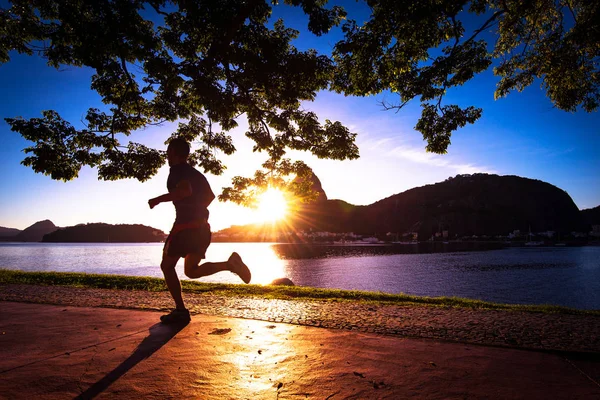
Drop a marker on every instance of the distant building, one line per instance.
(515, 234)
(410, 235)
(370, 240)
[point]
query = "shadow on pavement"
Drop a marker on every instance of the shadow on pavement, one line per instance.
(159, 335)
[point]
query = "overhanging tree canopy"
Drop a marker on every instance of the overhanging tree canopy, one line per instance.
(206, 63)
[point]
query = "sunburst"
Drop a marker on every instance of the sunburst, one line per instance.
(272, 206)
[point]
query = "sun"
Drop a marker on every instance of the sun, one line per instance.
(272, 206)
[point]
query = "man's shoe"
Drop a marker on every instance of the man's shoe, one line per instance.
(237, 266)
(176, 317)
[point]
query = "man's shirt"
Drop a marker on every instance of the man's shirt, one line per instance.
(193, 207)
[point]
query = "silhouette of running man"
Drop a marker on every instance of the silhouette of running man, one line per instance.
(190, 236)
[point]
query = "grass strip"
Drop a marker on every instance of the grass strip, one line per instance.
(123, 282)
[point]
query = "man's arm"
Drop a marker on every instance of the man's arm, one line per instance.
(183, 190)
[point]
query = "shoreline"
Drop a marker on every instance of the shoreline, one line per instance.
(513, 327)
(284, 292)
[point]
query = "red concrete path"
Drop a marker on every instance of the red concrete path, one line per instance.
(57, 352)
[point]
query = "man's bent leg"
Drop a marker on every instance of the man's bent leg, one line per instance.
(194, 270)
(235, 264)
(172, 280)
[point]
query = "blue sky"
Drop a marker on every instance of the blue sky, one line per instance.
(520, 135)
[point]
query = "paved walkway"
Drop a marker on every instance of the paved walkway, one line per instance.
(498, 328)
(58, 352)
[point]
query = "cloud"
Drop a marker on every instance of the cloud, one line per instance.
(383, 135)
(373, 144)
(420, 156)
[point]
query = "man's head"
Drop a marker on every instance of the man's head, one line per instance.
(177, 151)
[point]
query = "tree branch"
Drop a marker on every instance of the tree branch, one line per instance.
(456, 34)
(246, 94)
(486, 25)
(121, 100)
(158, 10)
(157, 123)
(453, 52)
(131, 83)
(387, 107)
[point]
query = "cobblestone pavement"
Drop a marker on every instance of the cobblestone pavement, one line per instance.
(490, 327)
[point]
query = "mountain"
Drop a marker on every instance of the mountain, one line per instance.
(34, 233)
(8, 232)
(591, 216)
(466, 205)
(99, 232)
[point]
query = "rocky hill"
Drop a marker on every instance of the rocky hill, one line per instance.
(8, 232)
(591, 216)
(99, 232)
(33, 233)
(479, 204)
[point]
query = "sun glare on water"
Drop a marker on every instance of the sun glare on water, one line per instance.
(272, 206)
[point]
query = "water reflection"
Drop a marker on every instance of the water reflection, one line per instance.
(291, 251)
(259, 257)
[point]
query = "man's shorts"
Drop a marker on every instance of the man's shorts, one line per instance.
(180, 243)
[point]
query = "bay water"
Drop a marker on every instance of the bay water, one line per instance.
(566, 276)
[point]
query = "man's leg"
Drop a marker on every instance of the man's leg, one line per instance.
(193, 269)
(172, 280)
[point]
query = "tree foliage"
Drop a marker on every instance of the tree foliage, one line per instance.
(207, 63)
(420, 49)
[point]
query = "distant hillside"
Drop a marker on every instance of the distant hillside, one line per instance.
(33, 233)
(99, 232)
(8, 231)
(591, 216)
(479, 204)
